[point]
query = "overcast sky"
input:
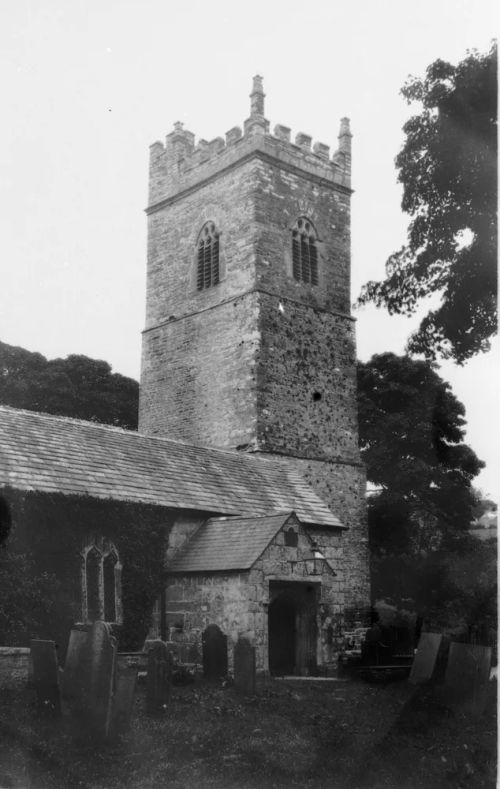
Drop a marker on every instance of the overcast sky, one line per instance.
(89, 85)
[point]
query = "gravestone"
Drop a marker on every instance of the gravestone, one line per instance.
(46, 676)
(123, 696)
(159, 677)
(467, 677)
(75, 677)
(101, 655)
(244, 667)
(424, 662)
(214, 645)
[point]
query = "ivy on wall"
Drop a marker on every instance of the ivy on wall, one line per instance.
(47, 534)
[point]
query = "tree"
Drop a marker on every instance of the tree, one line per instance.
(411, 439)
(77, 387)
(422, 503)
(448, 168)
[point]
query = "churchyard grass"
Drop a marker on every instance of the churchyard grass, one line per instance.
(335, 735)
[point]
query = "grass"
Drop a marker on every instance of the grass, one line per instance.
(342, 735)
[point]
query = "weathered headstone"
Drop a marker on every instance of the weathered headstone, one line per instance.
(467, 677)
(76, 675)
(101, 647)
(244, 667)
(159, 677)
(424, 662)
(214, 644)
(46, 676)
(123, 696)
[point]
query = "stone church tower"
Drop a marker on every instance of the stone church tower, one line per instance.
(249, 344)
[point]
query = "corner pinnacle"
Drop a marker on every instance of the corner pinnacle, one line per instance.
(257, 98)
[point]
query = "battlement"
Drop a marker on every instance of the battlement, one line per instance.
(180, 163)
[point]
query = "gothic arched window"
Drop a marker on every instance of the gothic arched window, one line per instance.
(305, 251)
(207, 251)
(101, 582)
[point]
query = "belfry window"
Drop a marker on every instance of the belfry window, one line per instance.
(304, 252)
(101, 582)
(207, 251)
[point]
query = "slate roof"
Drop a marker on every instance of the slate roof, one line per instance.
(228, 544)
(56, 454)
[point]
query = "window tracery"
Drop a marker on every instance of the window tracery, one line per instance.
(305, 251)
(101, 582)
(207, 272)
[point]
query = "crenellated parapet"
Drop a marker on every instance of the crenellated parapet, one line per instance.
(181, 163)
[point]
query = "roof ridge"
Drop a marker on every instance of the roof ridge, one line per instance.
(232, 518)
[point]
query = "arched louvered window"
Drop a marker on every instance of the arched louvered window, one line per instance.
(305, 251)
(207, 251)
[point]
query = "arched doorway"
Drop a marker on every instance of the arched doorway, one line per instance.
(292, 628)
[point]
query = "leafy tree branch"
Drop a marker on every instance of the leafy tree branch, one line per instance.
(448, 169)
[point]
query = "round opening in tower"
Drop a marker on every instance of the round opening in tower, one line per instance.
(317, 396)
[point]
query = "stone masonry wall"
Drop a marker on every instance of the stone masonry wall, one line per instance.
(238, 602)
(281, 197)
(179, 165)
(199, 379)
(306, 376)
(343, 486)
(199, 347)
(173, 231)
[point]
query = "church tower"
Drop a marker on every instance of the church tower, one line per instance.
(249, 343)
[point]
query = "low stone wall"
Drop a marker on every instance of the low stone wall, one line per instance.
(14, 665)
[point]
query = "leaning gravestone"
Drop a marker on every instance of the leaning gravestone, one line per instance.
(467, 677)
(244, 667)
(76, 674)
(214, 644)
(159, 677)
(424, 662)
(46, 676)
(101, 655)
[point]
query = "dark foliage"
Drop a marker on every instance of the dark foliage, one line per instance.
(448, 168)
(423, 505)
(49, 531)
(411, 438)
(77, 387)
(27, 598)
